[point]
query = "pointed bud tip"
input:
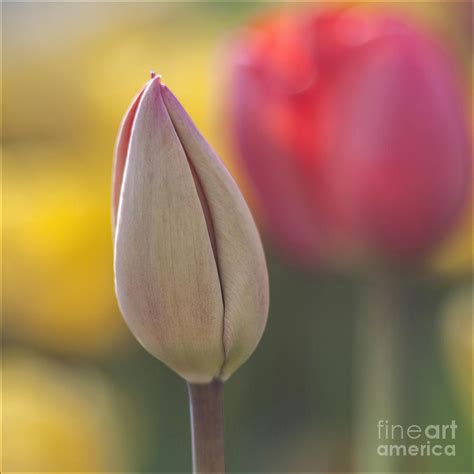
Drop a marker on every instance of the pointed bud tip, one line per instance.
(154, 75)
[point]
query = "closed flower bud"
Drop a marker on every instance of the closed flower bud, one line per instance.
(190, 272)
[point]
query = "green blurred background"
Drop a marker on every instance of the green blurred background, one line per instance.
(79, 393)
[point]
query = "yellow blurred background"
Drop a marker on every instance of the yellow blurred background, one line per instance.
(69, 73)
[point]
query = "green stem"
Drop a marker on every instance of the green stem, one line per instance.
(380, 360)
(207, 426)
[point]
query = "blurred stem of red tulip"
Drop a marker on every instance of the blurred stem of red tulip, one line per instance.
(207, 426)
(379, 362)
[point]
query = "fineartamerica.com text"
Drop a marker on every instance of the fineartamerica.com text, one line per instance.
(416, 440)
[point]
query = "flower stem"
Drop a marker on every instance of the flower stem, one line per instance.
(206, 403)
(380, 360)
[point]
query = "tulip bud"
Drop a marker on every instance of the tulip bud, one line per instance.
(351, 128)
(190, 272)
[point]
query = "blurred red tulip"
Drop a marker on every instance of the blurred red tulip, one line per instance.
(351, 127)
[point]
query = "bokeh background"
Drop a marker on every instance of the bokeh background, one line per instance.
(79, 393)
